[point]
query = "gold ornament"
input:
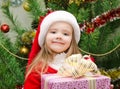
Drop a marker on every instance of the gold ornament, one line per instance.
(26, 6)
(24, 50)
(5, 4)
(27, 37)
(32, 34)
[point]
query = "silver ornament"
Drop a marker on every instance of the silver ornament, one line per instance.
(16, 3)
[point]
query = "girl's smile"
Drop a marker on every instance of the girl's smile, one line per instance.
(58, 42)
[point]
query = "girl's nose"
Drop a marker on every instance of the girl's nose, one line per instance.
(59, 36)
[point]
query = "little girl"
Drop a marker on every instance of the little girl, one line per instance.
(57, 38)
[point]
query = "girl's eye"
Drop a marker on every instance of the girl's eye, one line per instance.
(53, 32)
(66, 34)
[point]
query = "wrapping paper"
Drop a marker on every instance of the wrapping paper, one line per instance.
(53, 81)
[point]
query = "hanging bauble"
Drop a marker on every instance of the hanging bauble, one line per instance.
(16, 3)
(24, 50)
(27, 37)
(26, 6)
(32, 34)
(5, 28)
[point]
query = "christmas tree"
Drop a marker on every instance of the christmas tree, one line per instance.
(99, 22)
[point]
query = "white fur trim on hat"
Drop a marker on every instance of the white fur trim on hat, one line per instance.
(54, 17)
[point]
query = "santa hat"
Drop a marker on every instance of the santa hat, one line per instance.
(54, 17)
(46, 23)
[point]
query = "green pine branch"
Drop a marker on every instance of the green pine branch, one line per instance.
(11, 71)
(36, 10)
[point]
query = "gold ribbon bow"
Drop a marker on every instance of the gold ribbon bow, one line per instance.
(76, 66)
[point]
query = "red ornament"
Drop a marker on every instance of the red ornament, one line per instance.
(5, 28)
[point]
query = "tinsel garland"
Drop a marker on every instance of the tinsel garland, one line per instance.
(100, 20)
(78, 2)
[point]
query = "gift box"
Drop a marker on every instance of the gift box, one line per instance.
(54, 81)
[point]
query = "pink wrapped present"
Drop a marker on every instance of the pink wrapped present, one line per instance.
(53, 81)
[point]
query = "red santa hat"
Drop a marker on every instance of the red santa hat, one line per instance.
(46, 23)
(58, 16)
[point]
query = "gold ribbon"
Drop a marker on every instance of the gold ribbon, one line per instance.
(91, 82)
(76, 66)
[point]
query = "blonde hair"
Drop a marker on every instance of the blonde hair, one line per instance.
(40, 62)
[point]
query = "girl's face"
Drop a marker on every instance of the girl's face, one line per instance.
(59, 36)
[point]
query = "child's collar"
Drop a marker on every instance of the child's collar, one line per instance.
(58, 60)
